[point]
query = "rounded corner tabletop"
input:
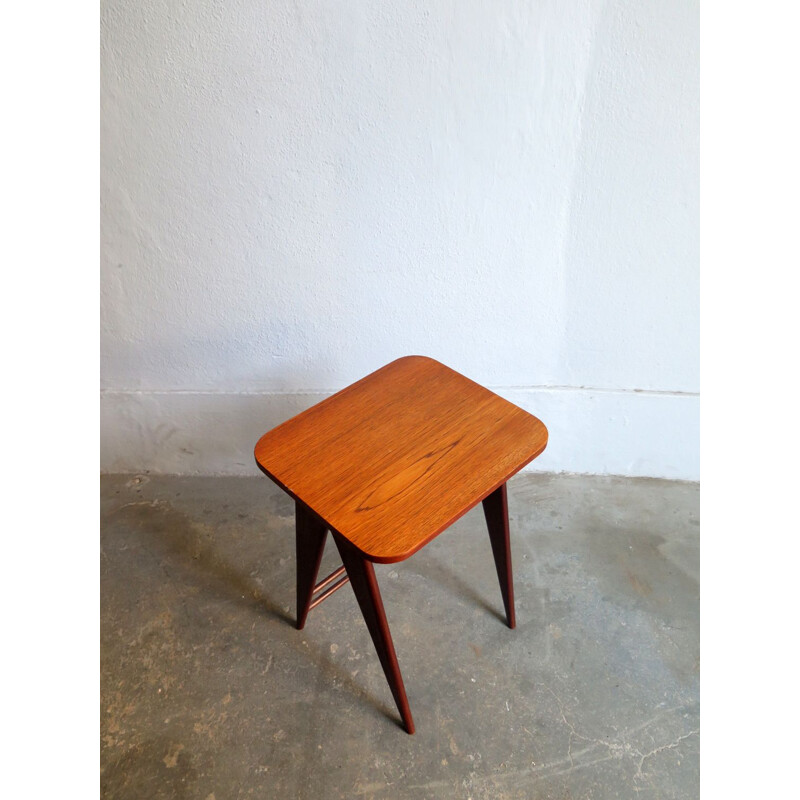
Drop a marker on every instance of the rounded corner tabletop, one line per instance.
(392, 460)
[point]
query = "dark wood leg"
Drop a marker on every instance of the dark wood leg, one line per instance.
(365, 585)
(495, 508)
(310, 542)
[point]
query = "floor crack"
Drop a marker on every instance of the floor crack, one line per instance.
(668, 746)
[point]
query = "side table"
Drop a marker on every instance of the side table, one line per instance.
(386, 465)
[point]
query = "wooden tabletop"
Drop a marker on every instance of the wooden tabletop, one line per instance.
(397, 457)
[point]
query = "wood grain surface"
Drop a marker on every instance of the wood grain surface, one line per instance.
(397, 457)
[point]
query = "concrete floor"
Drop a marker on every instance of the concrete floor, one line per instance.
(209, 692)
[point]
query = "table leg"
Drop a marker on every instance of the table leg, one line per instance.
(368, 595)
(310, 535)
(495, 508)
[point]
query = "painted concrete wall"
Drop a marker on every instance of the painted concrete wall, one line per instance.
(297, 192)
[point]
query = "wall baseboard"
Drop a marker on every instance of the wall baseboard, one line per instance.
(600, 432)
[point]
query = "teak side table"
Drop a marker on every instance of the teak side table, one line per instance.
(386, 465)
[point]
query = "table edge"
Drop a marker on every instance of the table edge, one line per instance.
(393, 559)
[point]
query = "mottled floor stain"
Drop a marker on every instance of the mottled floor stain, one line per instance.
(209, 692)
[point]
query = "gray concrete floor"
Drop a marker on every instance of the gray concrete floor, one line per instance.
(209, 692)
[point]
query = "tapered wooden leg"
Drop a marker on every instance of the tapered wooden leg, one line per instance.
(310, 542)
(495, 507)
(368, 595)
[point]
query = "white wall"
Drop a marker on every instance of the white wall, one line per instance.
(296, 192)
